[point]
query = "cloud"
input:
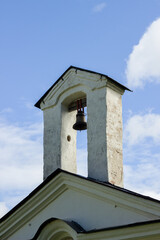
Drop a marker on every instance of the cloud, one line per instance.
(3, 209)
(141, 154)
(20, 161)
(143, 62)
(143, 178)
(142, 127)
(99, 7)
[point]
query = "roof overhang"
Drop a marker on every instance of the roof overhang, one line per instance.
(111, 81)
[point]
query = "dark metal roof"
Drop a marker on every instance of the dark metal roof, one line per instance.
(81, 69)
(57, 172)
(79, 229)
(124, 226)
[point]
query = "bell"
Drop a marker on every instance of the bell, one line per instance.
(80, 121)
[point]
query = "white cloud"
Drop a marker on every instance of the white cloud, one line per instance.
(20, 160)
(141, 127)
(143, 178)
(142, 155)
(99, 7)
(3, 209)
(143, 62)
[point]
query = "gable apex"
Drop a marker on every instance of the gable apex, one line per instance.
(110, 80)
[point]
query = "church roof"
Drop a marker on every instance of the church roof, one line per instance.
(59, 171)
(84, 70)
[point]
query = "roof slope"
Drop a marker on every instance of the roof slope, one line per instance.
(86, 201)
(57, 172)
(80, 69)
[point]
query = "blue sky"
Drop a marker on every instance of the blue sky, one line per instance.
(39, 40)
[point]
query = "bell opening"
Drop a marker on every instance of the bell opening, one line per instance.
(78, 124)
(82, 152)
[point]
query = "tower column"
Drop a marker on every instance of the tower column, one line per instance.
(59, 140)
(104, 111)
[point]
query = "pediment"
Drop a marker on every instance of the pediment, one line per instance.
(79, 81)
(89, 203)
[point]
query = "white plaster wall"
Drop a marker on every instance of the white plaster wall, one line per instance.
(68, 140)
(96, 133)
(59, 139)
(51, 140)
(90, 213)
(114, 137)
(105, 159)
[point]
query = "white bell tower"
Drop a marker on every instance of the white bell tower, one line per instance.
(102, 96)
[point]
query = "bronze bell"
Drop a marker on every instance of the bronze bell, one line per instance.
(80, 121)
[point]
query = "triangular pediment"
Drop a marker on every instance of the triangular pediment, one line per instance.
(75, 79)
(89, 203)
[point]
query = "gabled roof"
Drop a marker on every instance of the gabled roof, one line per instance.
(70, 197)
(59, 171)
(80, 69)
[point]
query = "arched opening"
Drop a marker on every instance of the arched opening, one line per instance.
(82, 152)
(70, 105)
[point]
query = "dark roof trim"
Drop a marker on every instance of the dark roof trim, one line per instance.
(81, 69)
(125, 226)
(57, 172)
(72, 224)
(79, 229)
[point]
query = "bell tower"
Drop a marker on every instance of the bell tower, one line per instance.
(102, 97)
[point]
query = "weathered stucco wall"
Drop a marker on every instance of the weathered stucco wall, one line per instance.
(51, 139)
(59, 140)
(96, 133)
(105, 160)
(68, 140)
(114, 137)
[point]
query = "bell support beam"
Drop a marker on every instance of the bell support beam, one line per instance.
(73, 105)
